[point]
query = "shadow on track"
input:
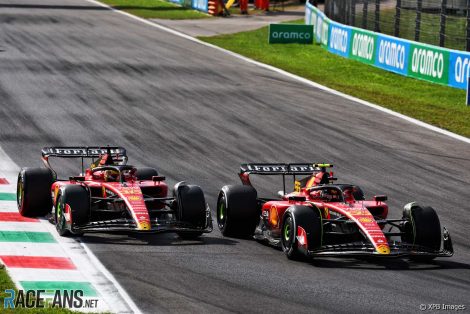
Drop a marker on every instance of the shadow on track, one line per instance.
(394, 264)
(153, 240)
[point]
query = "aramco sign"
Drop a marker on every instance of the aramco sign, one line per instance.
(290, 33)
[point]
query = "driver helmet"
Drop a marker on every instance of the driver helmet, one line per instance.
(111, 175)
(348, 195)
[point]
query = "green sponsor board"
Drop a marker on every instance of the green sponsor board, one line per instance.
(290, 33)
(428, 63)
(363, 46)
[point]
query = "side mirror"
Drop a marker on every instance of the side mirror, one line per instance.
(380, 198)
(158, 178)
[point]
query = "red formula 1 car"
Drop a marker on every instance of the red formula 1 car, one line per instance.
(322, 218)
(110, 196)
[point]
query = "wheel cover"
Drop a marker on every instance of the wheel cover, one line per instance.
(287, 232)
(222, 212)
(60, 218)
(20, 193)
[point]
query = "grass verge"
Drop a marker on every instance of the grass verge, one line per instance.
(6, 283)
(157, 9)
(435, 104)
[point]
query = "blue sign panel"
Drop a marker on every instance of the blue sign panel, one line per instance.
(200, 5)
(392, 54)
(459, 69)
(339, 39)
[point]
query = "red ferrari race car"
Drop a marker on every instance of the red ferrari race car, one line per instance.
(110, 196)
(322, 218)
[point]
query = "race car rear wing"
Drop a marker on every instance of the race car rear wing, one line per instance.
(283, 169)
(293, 169)
(85, 152)
(118, 154)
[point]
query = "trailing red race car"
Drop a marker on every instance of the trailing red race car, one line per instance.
(322, 218)
(110, 196)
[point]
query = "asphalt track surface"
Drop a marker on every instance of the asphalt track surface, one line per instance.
(72, 73)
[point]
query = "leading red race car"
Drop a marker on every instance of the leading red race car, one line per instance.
(322, 218)
(110, 196)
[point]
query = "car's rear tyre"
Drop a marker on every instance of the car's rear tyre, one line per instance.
(146, 173)
(78, 200)
(308, 218)
(34, 192)
(191, 208)
(422, 228)
(237, 210)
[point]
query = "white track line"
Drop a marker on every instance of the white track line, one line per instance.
(111, 278)
(292, 76)
(22, 226)
(96, 273)
(32, 249)
(8, 170)
(38, 274)
(8, 206)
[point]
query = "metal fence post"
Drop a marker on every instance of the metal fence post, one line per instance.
(353, 12)
(442, 31)
(364, 14)
(397, 19)
(419, 8)
(468, 25)
(377, 16)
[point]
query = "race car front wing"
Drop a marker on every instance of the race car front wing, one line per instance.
(397, 249)
(157, 226)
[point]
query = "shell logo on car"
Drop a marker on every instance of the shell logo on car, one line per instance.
(365, 219)
(144, 225)
(134, 198)
(383, 249)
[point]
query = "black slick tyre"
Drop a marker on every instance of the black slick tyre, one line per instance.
(237, 211)
(34, 192)
(423, 229)
(191, 208)
(77, 199)
(310, 220)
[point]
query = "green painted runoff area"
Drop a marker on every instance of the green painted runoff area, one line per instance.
(86, 287)
(7, 196)
(26, 236)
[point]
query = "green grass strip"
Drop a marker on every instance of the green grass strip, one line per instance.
(7, 196)
(26, 236)
(151, 9)
(86, 287)
(435, 104)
